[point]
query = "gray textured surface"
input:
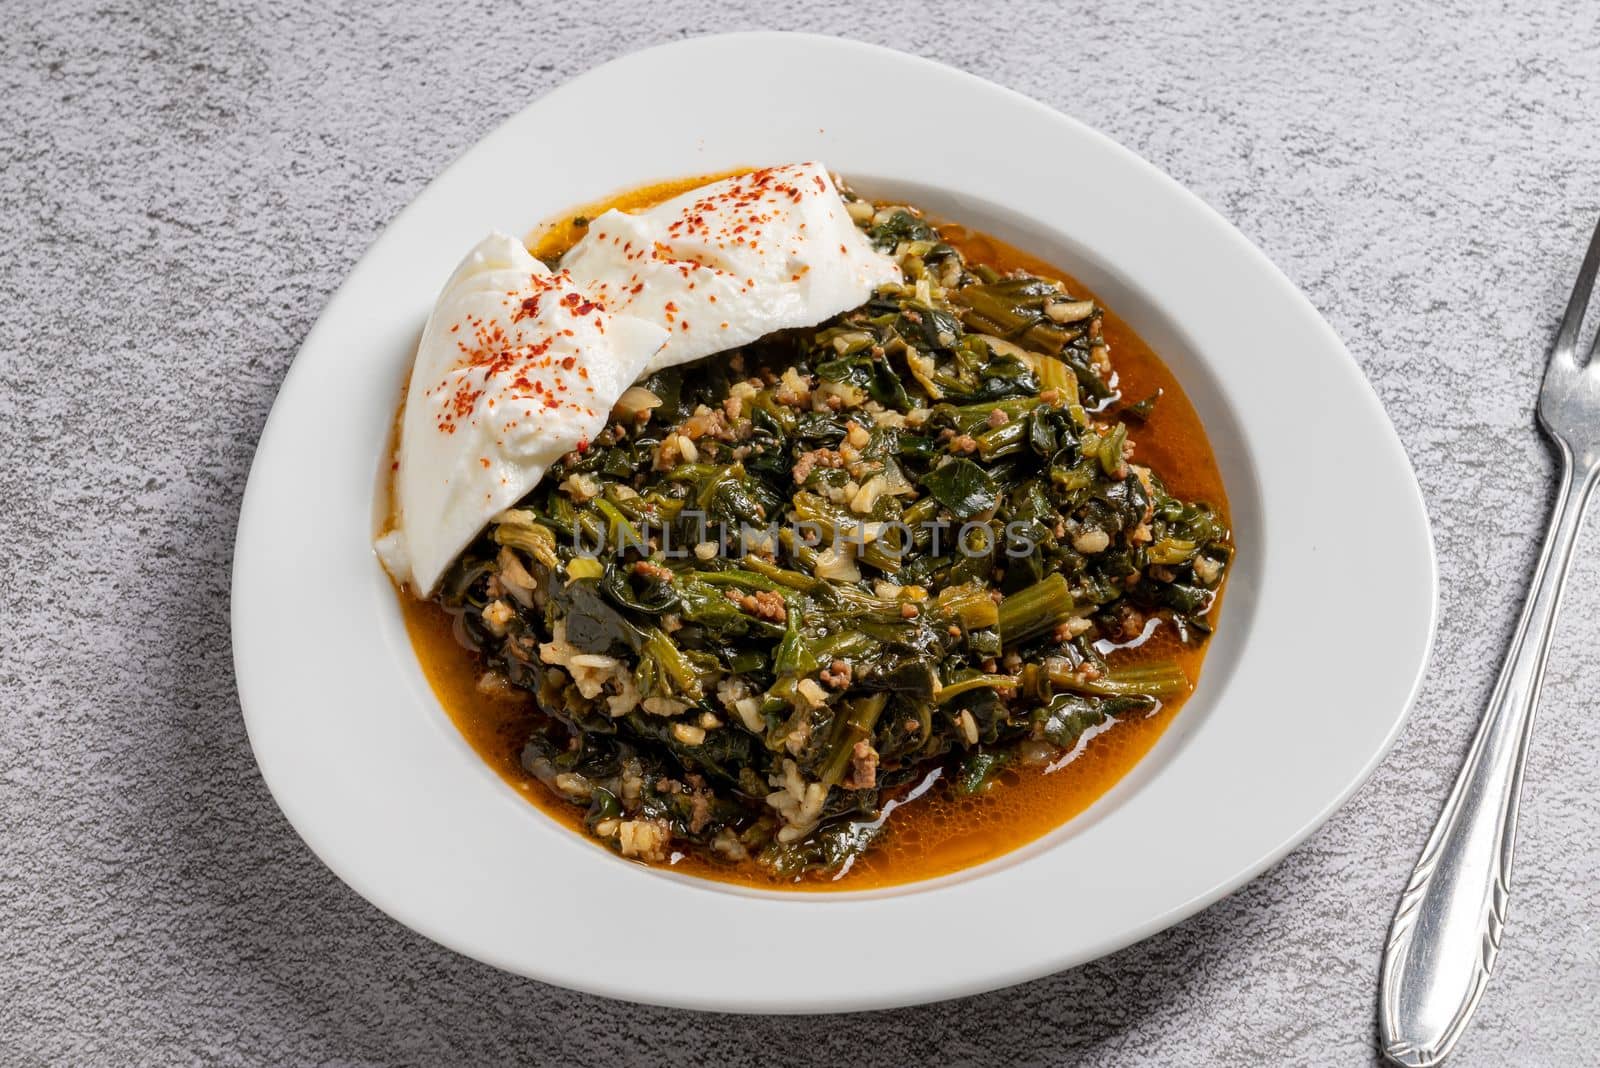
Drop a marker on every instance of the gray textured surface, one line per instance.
(182, 185)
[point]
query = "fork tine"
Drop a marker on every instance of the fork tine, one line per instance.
(1572, 322)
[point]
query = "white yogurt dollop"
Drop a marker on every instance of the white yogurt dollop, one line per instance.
(517, 367)
(725, 264)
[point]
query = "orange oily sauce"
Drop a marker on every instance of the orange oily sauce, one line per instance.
(938, 832)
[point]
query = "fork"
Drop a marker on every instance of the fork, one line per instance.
(1446, 931)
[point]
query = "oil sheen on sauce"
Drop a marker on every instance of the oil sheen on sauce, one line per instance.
(938, 832)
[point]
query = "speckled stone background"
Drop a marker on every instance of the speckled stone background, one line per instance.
(183, 184)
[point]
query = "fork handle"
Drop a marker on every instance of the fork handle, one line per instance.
(1446, 931)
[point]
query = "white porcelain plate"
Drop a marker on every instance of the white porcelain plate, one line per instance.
(1322, 640)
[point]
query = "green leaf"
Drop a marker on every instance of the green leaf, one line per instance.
(963, 487)
(979, 769)
(1063, 721)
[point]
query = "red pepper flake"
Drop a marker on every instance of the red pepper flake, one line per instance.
(576, 303)
(529, 309)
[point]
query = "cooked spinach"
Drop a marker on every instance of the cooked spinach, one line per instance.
(962, 487)
(818, 567)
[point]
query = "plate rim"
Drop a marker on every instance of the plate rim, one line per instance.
(283, 784)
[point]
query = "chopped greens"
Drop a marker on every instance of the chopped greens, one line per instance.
(962, 487)
(791, 580)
